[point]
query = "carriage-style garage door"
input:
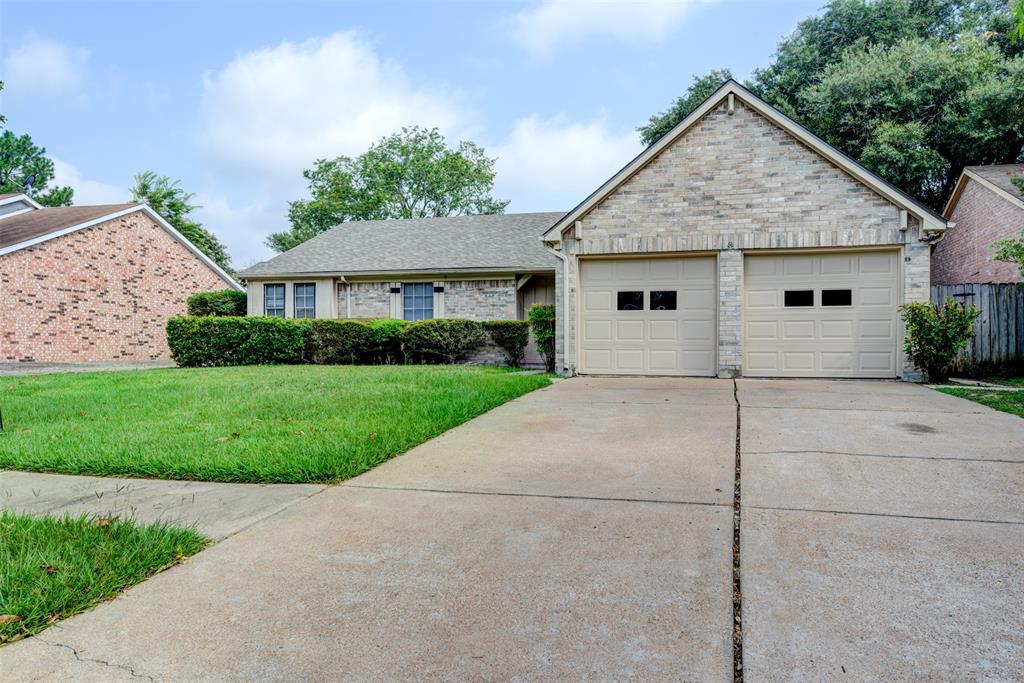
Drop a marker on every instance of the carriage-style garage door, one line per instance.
(648, 316)
(825, 315)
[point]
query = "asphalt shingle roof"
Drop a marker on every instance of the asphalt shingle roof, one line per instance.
(40, 222)
(458, 243)
(999, 175)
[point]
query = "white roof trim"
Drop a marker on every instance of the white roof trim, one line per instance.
(961, 183)
(929, 221)
(21, 198)
(118, 214)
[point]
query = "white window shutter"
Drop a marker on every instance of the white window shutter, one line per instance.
(439, 300)
(396, 299)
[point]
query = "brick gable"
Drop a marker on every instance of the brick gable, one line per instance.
(101, 293)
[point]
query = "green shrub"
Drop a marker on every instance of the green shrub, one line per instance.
(936, 336)
(542, 322)
(441, 339)
(226, 302)
(386, 340)
(337, 342)
(209, 341)
(512, 336)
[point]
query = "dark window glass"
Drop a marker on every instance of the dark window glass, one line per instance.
(305, 301)
(631, 301)
(273, 300)
(799, 297)
(418, 300)
(837, 297)
(663, 301)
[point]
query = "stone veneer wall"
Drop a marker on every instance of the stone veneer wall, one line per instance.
(965, 254)
(732, 183)
(101, 293)
(480, 299)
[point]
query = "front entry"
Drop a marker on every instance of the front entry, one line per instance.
(648, 316)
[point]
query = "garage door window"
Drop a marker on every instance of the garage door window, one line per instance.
(837, 297)
(663, 300)
(631, 301)
(798, 298)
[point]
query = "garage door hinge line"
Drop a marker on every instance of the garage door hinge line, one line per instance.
(737, 588)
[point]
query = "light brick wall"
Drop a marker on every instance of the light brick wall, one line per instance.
(733, 184)
(480, 299)
(369, 300)
(98, 294)
(965, 253)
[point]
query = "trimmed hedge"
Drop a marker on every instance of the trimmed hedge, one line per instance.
(512, 336)
(542, 322)
(226, 302)
(445, 339)
(338, 342)
(386, 341)
(214, 341)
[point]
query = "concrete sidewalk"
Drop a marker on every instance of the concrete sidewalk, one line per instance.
(218, 510)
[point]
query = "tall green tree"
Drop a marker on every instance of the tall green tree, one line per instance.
(701, 89)
(913, 89)
(174, 204)
(411, 174)
(24, 167)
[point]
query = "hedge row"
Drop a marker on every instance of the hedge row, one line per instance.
(226, 302)
(217, 341)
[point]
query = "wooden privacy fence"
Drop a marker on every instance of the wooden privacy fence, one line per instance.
(999, 330)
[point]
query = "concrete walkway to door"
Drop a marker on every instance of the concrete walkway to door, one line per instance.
(585, 532)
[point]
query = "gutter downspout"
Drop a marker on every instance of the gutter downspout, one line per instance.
(565, 302)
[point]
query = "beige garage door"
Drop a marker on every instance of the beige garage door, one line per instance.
(648, 316)
(831, 315)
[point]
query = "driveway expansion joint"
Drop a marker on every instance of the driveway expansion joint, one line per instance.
(90, 660)
(737, 522)
(890, 515)
(550, 496)
(885, 455)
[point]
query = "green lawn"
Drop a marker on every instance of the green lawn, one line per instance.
(1007, 381)
(1006, 401)
(52, 568)
(304, 423)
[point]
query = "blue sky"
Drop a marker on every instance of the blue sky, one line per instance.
(236, 98)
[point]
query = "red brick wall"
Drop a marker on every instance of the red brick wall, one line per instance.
(965, 253)
(102, 293)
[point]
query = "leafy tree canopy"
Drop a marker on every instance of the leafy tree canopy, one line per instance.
(913, 89)
(24, 167)
(412, 174)
(701, 89)
(174, 204)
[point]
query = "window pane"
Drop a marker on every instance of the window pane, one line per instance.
(799, 297)
(663, 301)
(837, 297)
(273, 300)
(418, 300)
(305, 300)
(631, 301)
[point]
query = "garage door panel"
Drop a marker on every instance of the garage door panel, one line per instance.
(850, 331)
(677, 339)
(629, 330)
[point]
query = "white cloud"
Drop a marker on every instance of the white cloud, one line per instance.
(552, 164)
(87, 191)
(241, 228)
(278, 109)
(42, 65)
(554, 23)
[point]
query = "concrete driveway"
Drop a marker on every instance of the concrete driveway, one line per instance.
(585, 532)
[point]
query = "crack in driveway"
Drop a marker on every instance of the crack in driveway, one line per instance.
(884, 455)
(90, 660)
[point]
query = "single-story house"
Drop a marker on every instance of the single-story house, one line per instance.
(93, 283)
(738, 244)
(985, 206)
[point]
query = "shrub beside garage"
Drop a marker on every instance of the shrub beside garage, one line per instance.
(217, 341)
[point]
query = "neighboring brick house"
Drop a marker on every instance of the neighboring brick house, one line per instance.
(739, 243)
(93, 283)
(985, 206)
